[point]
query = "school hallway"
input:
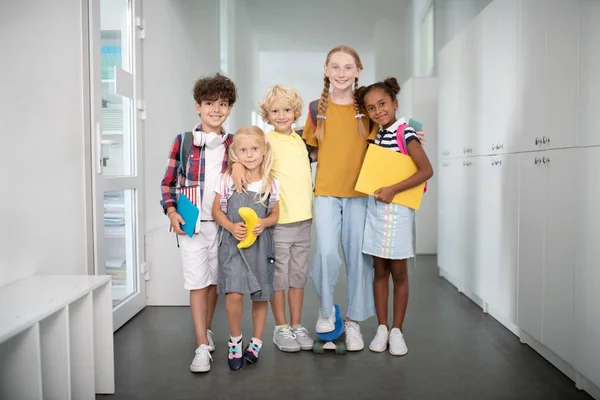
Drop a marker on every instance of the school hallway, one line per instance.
(455, 352)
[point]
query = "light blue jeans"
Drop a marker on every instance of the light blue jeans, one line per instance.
(346, 216)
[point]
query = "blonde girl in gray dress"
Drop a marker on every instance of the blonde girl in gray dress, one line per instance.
(247, 271)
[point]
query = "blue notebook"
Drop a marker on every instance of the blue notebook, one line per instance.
(189, 212)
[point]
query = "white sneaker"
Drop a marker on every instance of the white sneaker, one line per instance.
(211, 343)
(354, 339)
(202, 359)
(397, 343)
(380, 341)
(325, 325)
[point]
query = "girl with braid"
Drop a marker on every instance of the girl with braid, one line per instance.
(339, 140)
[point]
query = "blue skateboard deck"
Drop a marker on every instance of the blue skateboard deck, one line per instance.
(339, 328)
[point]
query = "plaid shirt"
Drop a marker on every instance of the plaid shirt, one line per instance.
(174, 182)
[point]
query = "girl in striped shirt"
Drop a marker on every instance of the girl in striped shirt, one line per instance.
(390, 251)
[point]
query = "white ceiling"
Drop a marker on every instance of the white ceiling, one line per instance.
(318, 25)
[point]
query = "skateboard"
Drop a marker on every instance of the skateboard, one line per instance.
(334, 340)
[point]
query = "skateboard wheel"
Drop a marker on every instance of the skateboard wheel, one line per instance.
(340, 348)
(318, 348)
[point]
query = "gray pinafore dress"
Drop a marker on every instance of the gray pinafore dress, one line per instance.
(251, 270)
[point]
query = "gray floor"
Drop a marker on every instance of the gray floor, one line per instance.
(455, 352)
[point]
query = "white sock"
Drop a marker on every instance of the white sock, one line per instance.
(235, 339)
(257, 342)
(278, 327)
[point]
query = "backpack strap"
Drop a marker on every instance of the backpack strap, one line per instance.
(185, 148)
(402, 144)
(272, 197)
(313, 111)
(224, 194)
(400, 139)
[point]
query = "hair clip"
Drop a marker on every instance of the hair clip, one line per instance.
(320, 116)
(266, 141)
(359, 116)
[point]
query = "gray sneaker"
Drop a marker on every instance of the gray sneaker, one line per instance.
(285, 340)
(302, 337)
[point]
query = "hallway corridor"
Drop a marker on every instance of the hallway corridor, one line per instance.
(455, 352)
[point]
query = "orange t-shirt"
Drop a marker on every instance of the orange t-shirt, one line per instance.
(341, 152)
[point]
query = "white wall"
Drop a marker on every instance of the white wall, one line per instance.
(419, 99)
(418, 9)
(450, 16)
(43, 203)
(179, 48)
(181, 45)
(245, 60)
(393, 55)
(303, 71)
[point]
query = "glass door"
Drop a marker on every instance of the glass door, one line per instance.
(115, 56)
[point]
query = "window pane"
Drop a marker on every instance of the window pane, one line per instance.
(119, 243)
(117, 107)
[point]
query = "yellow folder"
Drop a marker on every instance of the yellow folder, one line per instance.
(383, 167)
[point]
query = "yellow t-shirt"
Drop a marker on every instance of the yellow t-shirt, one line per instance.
(292, 168)
(342, 151)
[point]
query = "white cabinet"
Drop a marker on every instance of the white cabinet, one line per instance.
(563, 72)
(587, 267)
(462, 122)
(532, 197)
(453, 126)
(465, 227)
(519, 221)
(498, 228)
(450, 217)
(475, 83)
(446, 80)
(445, 201)
(559, 250)
(549, 74)
(546, 248)
(500, 112)
(589, 78)
(532, 75)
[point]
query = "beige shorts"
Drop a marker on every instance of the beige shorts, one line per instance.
(292, 244)
(199, 257)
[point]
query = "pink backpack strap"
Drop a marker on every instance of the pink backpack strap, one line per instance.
(400, 138)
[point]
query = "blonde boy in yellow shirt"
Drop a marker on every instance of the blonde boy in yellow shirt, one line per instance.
(281, 107)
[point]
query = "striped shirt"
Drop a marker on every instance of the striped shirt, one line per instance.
(388, 138)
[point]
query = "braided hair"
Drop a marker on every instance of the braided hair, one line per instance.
(320, 131)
